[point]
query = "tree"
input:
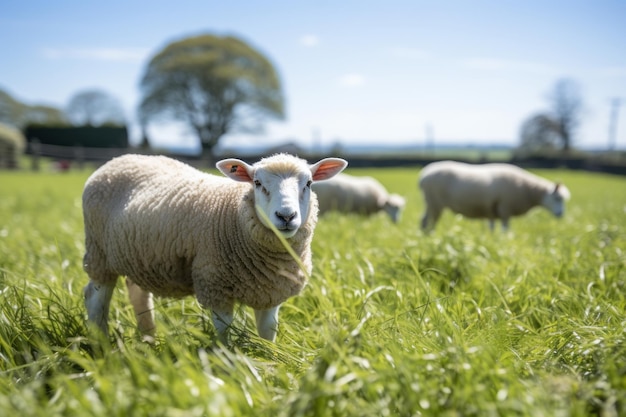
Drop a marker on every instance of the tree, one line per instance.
(214, 85)
(11, 110)
(94, 108)
(540, 132)
(557, 127)
(567, 105)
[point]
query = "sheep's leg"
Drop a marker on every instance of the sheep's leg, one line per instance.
(144, 308)
(222, 319)
(430, 219)
(267, 322)
(424, 223)
(97, 301)
(502, 212)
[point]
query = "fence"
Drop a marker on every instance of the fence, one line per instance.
(78, 155)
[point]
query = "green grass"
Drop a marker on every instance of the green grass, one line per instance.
(462, 322)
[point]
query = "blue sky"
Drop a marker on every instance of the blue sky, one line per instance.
(358, 72)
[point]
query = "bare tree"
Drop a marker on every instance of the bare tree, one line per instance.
(567, 106)
(556, 128)
(94, 108)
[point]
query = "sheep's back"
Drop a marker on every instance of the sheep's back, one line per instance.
(176, 231)
(350, 194)
(475, 190)
(142, 213)
(462, 188)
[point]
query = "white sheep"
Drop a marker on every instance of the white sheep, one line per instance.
(492, 191)
(364, 195)
(175, 231)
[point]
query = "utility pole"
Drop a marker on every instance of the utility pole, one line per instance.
(615, 103)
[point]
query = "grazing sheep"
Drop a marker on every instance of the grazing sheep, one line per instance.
(492, 191)
(175, 231)
(364, 195)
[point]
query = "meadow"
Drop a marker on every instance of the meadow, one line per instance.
(461, 322)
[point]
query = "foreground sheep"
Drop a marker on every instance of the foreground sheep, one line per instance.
(492, 191)
(175, 231)
(364, 195)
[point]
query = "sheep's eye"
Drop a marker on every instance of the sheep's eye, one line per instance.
(257, 184)
(308, 183)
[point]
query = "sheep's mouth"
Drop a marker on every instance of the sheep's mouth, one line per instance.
(287, 230)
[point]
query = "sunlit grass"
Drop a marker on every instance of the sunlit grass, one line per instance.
(460, 322)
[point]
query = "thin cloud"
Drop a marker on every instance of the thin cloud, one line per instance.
(309, 41)
(97, 54)
(352, 80)
(496, 64)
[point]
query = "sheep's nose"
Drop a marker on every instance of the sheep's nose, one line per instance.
(286, 217)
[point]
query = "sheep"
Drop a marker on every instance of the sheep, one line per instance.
(364, 195)
(492, 191)
(175, 231)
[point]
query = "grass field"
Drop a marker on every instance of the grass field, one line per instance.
(462, 322)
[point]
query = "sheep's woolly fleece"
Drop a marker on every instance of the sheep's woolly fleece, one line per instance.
(487, 191)
(152, 219)
(346, 193)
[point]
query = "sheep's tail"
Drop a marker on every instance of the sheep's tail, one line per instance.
(283, 241)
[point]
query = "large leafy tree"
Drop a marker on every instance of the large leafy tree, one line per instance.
(214, 85)
(94, 107)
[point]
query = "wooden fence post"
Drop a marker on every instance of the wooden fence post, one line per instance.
(79, 156)
(35, 147)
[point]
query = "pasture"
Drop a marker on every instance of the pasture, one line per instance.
(462, 322)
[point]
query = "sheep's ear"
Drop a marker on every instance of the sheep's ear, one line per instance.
(235, 169)
(397, 200)
(561, 189)
(327, 168)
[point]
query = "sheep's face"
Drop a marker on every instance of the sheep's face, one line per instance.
(394, 206)
(282, 187)
(555, 200)
(283, 198)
